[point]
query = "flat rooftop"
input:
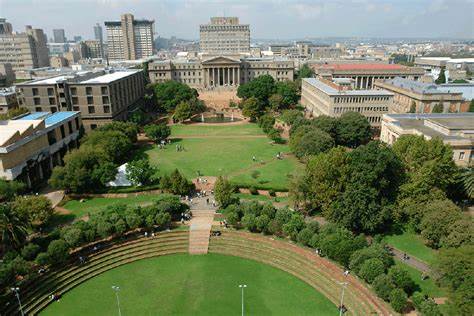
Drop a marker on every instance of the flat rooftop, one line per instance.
(417, 86)
(50, 118)
(89, 77)
(363, 66)
(335, 92)
(111, 76)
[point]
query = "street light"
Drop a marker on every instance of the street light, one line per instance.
(117, 289)
(17, 294)
(243, 286)
(341, 306)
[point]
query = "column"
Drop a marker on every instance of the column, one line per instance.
(219, 76)
(214, 70)
(228, 76)
(238, 76)
(233, 76)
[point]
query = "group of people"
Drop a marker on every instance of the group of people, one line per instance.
(185, 217)
(179, 148)
(163, 143)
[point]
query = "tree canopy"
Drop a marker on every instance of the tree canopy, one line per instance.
(171, 93)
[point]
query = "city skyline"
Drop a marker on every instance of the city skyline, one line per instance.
(296, 19)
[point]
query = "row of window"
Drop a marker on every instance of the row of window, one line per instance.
(359, 99)
(361, 109)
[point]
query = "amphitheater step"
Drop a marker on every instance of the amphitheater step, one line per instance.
(200, 230)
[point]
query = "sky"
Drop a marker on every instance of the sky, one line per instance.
(268, 19)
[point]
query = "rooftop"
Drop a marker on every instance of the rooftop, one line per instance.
(364, 66)
(50, 118)
(416, 86)
(334, 92)
(112, 76)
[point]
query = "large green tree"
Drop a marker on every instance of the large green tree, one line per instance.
(140, 172)
(305, 72)
(253, 108)
(288, 90)
(307, 141)
(261, 88)
(36, 209)
(224, 191)
(171, 93)
(157, 132)
(13, 228)
(353, 129)
(9, 189)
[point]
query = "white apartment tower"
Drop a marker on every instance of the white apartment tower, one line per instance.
(224, 35)
(129, 39)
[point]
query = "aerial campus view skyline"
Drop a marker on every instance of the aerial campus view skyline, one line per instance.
(229, 157)
(296, 19)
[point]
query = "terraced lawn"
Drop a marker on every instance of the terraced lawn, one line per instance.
(413, 245)
(227, 151)
(194, 285)
(80, 209)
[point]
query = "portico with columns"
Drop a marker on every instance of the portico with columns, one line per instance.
(221, 71)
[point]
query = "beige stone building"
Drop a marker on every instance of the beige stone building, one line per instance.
(24, 50)
(210, 72)
(101, 97)
(334, 98)
(423, 96)
(224, 35)
(129, 39)
(455, 129)
(8, 100)
(30, 147)
(365, 74)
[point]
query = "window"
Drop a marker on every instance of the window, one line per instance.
(35, 91)
(63, 133)
(106, 109)
(75, 108)
(38, 109)
(461, 155)
(50, 91)
(77, 122)
(74, 91)
(91, 109)
(37, 101)
(51, 137)
(104, 90)
(105, 99)
(90, 100)
(53, 109)
(69, 125)
(93, 126)
(74, 100)
(52, 101)
(89, 90)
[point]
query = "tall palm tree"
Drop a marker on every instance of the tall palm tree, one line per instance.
(13, 229)
(468, 181)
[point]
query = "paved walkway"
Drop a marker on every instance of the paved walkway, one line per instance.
(55, 197)
(411, 261)
(200, 225)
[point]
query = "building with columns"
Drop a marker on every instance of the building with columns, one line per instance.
(365, 74)
(335, 97)
(31, 146)
(208, 72)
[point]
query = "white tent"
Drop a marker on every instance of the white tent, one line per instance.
(121, 179)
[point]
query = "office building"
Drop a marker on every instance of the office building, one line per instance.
(5, 27)
(365, 74)
(91, 49)
(59, 36)
(455, 129)
(24, 50)
(224, 35)
(335, 97)
(129, 39)
(8, 100)
(219, 71)
(99, 36)
(7, 75)
(420, 97)
(31, 146)
(100, 96)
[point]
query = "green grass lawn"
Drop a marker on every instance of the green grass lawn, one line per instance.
(413, 245)
(97, 204)
(230, 156)
(194, 285)
(427, 286)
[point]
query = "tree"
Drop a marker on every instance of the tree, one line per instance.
(353, 129)
(371, 269)
(223, 192)
(377, 251)
(304, 143)
(437, 108)
(455, 271)
(401, 279)
(305, 72)
(275, 101)
(157, 132)
(398, 300)
(72, 235)
(36, 209)
(130, 129)
(383, 286)
(288, 90)
(13, 228)
(293, 227)
(436, 224)
(140, 172)
(467, 181)
(290, 116)
(266, 122)
(58, 252)
(115, 144)
(304, 236)
(327, 124)
(442, 77)
(252, 108)
(183, 112)
(460, 233)
(30, 251)
(261, 88)
(163, 220)
(171, 93)
(471, 106)
(412, 107)
(8, 189)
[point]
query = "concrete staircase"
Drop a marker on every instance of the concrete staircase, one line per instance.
(200, 230)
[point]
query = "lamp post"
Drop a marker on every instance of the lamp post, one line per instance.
(243, 286)
(17, 294)
(117, 289)
(343, 284)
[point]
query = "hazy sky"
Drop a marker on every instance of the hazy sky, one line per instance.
(274, 19)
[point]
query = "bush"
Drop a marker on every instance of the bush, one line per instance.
(262, 223)
(223, 192)
(30, 251)
(7, 274)
(249, 221)
(401, 279)
(176, 183)
(371, 269)
(72, 235)
(398, 300)
(42, 259)
(375, 250)
(293, 226)
(253, 190)
(163, 220)
(304, 236)
(383, 286)
(272, 193)
(58, 252)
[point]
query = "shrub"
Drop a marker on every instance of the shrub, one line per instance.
(253, 190)
(262, 223)
(7, 274)
(272, 193)
(371, 269)
(58, 252)
(374, 251)
(383, 286)
(223, 192)
(249, 221)
(72, 235)
(163, 220)
(42, 259)
(313, 226)
(120, 226)
(401, 279)
(30, 251)
(304, 236)
(398, 300)
(293, 227)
